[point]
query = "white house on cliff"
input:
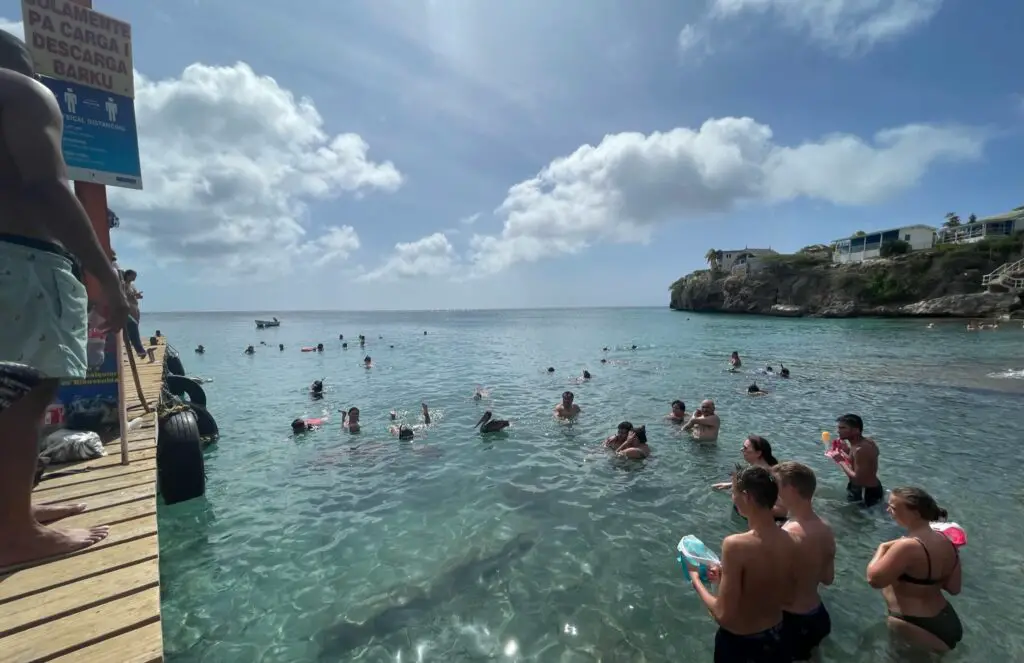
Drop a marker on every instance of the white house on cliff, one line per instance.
(734, 257)
(868, 246)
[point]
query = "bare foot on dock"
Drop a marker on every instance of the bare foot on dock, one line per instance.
(42, 543)
(49, 513)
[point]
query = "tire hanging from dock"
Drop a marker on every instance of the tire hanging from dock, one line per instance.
(174, 365)
(181, 385)
(181, 472)
(208, 430)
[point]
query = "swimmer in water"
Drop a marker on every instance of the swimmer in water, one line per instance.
(734, 360)
(405, 432)
(704, 423)
(551, 369)
(783, 371)
(633, 348)
(350, 420)
(301, 426)
(488, 424)
(621, 433)
(341, 337)
(367, 362)
(586, 374)
(567, 409)
(280, 346)
(635, 447)
(200, 350)
(319, 347)
(678, 413)
(754, 390)
(250, 350)
(603, 360)
(768, 369)
(481, 393)
(317, 389)
(344, 346)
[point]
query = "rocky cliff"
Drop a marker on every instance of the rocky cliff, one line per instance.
(944, 282)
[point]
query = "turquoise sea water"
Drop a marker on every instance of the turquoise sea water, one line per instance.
(297, 535)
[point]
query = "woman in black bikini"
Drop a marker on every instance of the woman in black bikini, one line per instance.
(757, 451)
(913, 571)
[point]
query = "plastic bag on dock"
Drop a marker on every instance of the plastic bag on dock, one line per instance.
(65, 446)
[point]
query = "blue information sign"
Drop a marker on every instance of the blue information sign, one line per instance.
(101, 141)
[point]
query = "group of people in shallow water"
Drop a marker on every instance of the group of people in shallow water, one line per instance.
(767, 604)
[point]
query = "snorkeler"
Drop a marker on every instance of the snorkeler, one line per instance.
(586, 374)
(280, 346)
(250, 350)
(350, 420)
(319, 347)
(489, 425)
(783, 371)
(317, 389)
(200, 349)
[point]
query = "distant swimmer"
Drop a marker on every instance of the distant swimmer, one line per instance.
(768, 369)
(303, 425)
(200, 349)
(350, 420)
(603, 360)
(263, 342)
(250, 350)
(551, 369)
(567, 409)
(754, 390)
(367, 362)
(734, 361)
(344, 346)
(619, 438)
(704, 423)
(424, 333)
(586, 374)
(481, 393)
(678, 412)
(280, 346)
(319, 347)
(341, 337)
(317, 389)
(783, 371)
(488, 424)
(406, 432)
(604, 349)
(635, 446)
(633, 348)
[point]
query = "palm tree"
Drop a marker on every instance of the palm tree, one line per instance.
(952, 220)
(712, 259)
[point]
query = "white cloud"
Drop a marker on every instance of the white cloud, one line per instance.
(432, 255)
(690, 39)
(470, 220)
(848, 26)
(620, 190)
(16, 28)
(334, 245)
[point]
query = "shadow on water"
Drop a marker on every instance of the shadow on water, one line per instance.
(408, 606)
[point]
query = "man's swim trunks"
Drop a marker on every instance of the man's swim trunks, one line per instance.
(43, 308)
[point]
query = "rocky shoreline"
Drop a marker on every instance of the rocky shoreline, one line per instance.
(927, 284)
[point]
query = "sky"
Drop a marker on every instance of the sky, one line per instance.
(459, 154)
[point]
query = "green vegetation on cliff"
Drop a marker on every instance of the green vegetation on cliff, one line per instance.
(945, 280)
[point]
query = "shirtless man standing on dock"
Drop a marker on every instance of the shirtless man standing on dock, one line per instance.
(43, 305)
(704, 423)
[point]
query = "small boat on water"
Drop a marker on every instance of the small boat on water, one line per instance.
(263, 324)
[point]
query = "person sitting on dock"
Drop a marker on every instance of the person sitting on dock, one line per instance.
(39, 348)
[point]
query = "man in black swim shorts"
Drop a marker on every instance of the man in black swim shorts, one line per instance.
(860, 464)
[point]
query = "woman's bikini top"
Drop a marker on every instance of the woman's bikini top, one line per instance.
(929, 580)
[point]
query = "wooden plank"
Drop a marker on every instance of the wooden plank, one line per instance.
(113, 457)
(69, 633)
(96, 473)
(141, 645)
(112, 497)
(82, 491)
(40, 578)
(33, 610)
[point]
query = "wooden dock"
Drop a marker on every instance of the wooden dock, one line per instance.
(103, 603)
